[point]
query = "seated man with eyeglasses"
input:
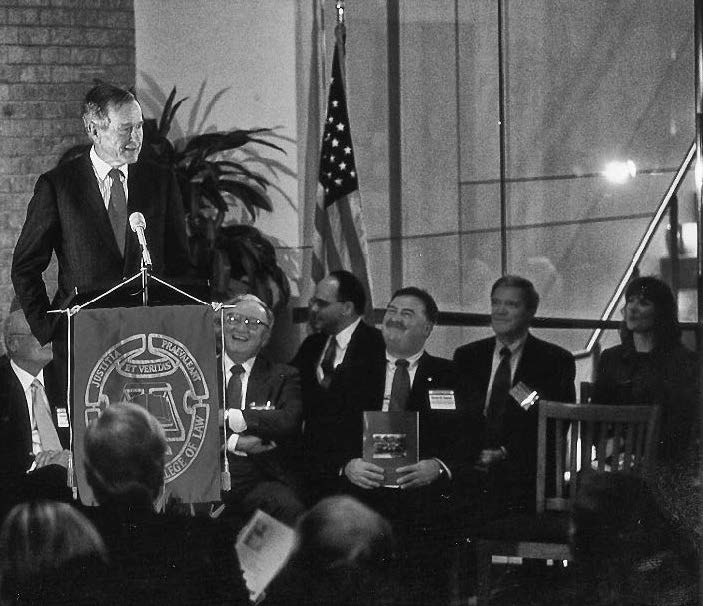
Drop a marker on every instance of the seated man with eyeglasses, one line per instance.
(263, 418)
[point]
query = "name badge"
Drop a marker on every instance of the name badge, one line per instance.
(267, 406)
(525, 396)
(62, 417)
(442, 399)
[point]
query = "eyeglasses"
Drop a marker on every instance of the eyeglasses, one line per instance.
(232, 319)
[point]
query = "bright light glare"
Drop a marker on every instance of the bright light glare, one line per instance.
(620, 172)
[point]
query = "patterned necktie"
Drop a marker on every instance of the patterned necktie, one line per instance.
(400, 388)
(42, 417)
(327, 364)
(117, 208)
(234, 387)
(499, 397)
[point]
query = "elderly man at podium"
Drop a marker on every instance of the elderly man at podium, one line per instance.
(80, 211)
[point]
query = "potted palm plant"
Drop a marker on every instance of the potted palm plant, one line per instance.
(212, 179)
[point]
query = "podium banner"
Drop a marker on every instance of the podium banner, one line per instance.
(161, 358)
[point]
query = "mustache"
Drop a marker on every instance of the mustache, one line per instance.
(394, 324)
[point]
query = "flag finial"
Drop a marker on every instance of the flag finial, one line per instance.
(340, 11)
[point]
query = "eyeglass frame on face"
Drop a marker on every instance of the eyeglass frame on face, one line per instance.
(234, 319)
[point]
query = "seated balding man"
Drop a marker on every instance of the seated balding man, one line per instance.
(34, 432)
(263, 415)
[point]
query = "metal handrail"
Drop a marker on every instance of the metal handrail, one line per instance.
(644, 243)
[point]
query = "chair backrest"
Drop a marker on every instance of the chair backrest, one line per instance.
(572, 437)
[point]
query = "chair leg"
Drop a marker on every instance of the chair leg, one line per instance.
(483, 573)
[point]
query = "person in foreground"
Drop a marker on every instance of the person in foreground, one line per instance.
(651, 366)
(343, 556)
(155, 558)
(50, 554)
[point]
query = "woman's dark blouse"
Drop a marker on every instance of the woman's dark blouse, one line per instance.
(667, 378)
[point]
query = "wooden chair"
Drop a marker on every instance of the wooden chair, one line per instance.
(606, 438)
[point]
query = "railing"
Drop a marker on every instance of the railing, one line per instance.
(642, 246)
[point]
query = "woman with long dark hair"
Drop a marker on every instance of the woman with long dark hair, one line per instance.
(651, 366)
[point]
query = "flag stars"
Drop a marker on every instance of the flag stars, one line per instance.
(342, 165)
(335, 143)
(340, 127)
(352, 173)
(332, 158)
(335, 103)
(330, 120)
(347, 150)
(338, 181)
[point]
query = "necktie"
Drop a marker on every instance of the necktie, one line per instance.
(400, 388)
(117, 208)
(42, 417)
(327, 364)
(498, 399)
(234, 387)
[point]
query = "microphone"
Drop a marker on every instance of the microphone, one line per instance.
(138, 224)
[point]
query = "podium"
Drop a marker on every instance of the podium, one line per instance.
(135, 343)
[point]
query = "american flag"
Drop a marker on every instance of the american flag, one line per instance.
(340, 237)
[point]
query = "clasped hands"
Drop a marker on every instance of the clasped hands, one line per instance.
(367, 475)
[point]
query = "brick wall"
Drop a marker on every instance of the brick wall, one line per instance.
(50, 53)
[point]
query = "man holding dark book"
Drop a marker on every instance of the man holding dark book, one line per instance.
(423, 507)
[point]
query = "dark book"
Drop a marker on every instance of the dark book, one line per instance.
(390, 441)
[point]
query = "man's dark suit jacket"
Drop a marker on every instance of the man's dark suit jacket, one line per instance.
(544, 367)
(16, 432)
(355, 381)
(67, 215)
(444, 434)
(279, 385)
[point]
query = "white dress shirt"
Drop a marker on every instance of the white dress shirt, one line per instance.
(101, 170)
(342, 337)
(26, 380)
(234, 417)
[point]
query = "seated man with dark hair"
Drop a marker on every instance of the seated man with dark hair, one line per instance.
(489, 370)
(428, 509)
(155, 558)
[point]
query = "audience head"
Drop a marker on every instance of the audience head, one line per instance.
(343, 556)
(125, 452)
(341, 531)
(22, 346)
(650, 307)
(338, 301)
(48, 552)
(247, 327)
(408, 322)
(514, 302)
(113, 120)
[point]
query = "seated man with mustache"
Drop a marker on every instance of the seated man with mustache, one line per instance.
(423, 510)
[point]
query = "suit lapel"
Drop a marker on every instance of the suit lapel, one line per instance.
(527, 359)
(258, 381)
(421, 383)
